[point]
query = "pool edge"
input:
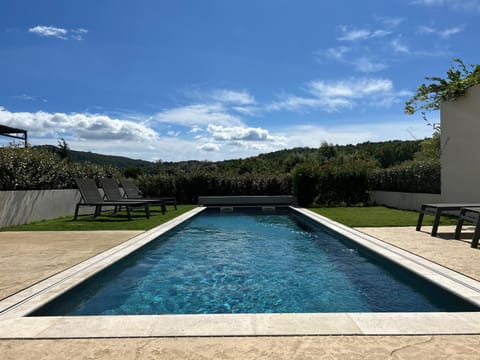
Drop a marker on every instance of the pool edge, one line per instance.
(14, 324)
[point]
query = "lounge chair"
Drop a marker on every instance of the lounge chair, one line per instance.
(113, 193)
(470, 214)
(91, 196)
(436, 210)
(132, 192)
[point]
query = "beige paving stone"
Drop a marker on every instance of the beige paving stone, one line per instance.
(444, 250)
(28, 257)
(246, 348)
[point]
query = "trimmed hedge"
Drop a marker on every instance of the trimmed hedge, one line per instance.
(415, 177)
(314, 186)
(187, 188)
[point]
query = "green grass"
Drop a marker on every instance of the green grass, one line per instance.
(377, 216)
(106, 221)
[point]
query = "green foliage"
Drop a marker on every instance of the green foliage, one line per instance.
(187, 187)
(306, 183)
(377, 216)
(429, 148)
(32, 169)
(415, 177)
(430, 96)
(106, 221)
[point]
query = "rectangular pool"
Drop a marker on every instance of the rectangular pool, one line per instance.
(251, 261)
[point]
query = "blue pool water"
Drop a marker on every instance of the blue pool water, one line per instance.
(252, 262)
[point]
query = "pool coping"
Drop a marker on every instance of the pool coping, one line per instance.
(14, 324)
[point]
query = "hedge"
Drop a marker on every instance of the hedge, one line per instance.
(32, 169)
(415, 177)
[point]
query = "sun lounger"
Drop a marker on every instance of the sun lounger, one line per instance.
(91, 196)
(132, 192)
(436, 210)
(113, 193)
(471, 214)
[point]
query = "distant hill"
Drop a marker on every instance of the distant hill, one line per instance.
(120, 162)
(387, 153)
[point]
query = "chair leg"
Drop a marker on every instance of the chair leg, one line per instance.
(436, 222)
(129, 215)
(164, 207)
(476, 234)
(175, 204)
(147, 211)
(458, 229)
(76, 212)
(420, 218)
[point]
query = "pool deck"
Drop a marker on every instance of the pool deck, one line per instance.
(27, 258)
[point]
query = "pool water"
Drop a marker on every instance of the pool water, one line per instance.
(252, 262)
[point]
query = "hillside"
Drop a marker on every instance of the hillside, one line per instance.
(386, 154)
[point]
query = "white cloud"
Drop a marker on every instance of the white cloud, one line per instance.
(233, 97)
(366, 65)
(360, 34)
(59, 33)
(445, 34)
(83, 126)
(198, 115)
(208, 147)
(222, 133)
(398, 47)
(337, 53)
(331, 96)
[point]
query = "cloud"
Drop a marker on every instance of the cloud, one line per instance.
(232, 97)
(337, 53)
(445, 34)
(209, 147)
(366, 65)
(222, 133)
(59, 33)
(82, 126)
(398, 47)
(198, 115)
(331, 96)
(360, 34)
(454, 4)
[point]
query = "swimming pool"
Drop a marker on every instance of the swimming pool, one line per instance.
(251, 261)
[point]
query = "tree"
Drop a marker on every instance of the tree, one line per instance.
(63, 148)
(430, 96)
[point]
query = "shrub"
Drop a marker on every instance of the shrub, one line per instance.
(415, 177)
(188, 187)
(33, 169)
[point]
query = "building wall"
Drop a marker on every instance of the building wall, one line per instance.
(402, 200)
(21, 207)
(460, 159)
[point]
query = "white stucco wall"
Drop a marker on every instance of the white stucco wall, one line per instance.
(21, 207)
(460, 159)
(402, 200)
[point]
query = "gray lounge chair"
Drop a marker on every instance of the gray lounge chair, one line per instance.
(132, 192)
(471, 214)
(91, 197)
(436, 210)
(113, 193)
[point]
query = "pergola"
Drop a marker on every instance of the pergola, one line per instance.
(14, 133)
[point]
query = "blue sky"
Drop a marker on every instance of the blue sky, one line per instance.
(220, 79)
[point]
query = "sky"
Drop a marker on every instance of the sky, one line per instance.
(222, 79)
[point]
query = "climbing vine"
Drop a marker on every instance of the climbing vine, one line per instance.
(459, 78)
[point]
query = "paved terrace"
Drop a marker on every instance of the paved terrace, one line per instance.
(29, 257)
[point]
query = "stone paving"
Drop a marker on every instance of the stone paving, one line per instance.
(28, 257)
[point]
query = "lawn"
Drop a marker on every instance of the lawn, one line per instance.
(106, 221)
(377, 216)
(374, 216)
